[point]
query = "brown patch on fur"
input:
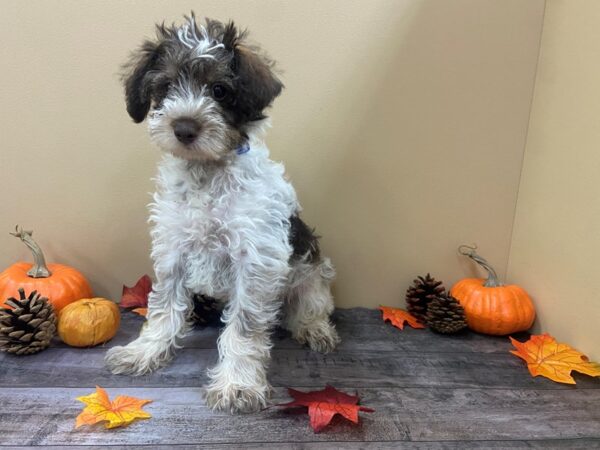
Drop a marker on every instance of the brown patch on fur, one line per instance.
(257, 86)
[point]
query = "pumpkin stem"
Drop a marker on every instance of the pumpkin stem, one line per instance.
(492, 279)
(39, 269)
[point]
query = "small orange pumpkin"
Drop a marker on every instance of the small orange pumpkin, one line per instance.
(88, 322)
(490, 306)
(59, 283)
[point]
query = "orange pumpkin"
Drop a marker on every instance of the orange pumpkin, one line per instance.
(490, 306)
(88, 322)
(59, 283)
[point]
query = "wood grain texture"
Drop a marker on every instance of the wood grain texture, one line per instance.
(72, 367)
(429, 392)
(359, 328)
(415, 414)
(545, 444)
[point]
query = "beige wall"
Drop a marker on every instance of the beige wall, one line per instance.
(403, 127)
(557, 228)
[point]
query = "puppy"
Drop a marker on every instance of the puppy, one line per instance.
(225, 221)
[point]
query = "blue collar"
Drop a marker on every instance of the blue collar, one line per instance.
(243, 148)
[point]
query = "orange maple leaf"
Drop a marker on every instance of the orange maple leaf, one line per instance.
(548, 358)
(398, 317)
(121, 411)
(323, 405)
(141, 311)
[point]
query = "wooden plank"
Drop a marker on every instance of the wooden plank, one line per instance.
(71, 367)
(359, 328)
(570, 444)
(364, 329)
(34, 416)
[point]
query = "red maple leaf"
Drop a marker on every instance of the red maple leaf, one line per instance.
(323, 405)
(137, 296)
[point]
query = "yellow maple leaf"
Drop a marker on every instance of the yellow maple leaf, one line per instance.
(398, 317)
(548, 358)
(121, 411)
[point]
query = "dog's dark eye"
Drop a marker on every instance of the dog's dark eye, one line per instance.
(219, 91)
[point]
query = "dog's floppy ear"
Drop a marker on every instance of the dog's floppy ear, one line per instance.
(137, 92)
(256, 83)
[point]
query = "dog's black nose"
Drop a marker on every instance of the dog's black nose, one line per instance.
(186, 130)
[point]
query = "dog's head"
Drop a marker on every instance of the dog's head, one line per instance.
(202, 86)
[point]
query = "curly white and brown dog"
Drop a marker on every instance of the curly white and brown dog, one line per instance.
(224, 218)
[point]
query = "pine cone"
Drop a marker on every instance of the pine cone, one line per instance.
(446, 315)
(207, 310)
(29, 326)
(420, 294)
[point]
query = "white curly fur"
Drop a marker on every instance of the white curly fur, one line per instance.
(222, 229)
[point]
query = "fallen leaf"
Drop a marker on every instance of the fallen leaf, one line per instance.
(120, 412)
(398, 317)
(140, 311)
(137, 296)
(323, 405)
(548, 358)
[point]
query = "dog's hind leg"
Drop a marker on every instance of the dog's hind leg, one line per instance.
(309, 304)
(169, 305)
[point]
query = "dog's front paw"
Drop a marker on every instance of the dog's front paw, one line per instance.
(233, 399)
(321, 337)
(134, 359)
(122, 360)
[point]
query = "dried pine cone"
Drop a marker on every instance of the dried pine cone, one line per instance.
(446, 315)
(420, 294)
(28, 326)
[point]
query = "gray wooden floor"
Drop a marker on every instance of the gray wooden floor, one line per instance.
(429, 392)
